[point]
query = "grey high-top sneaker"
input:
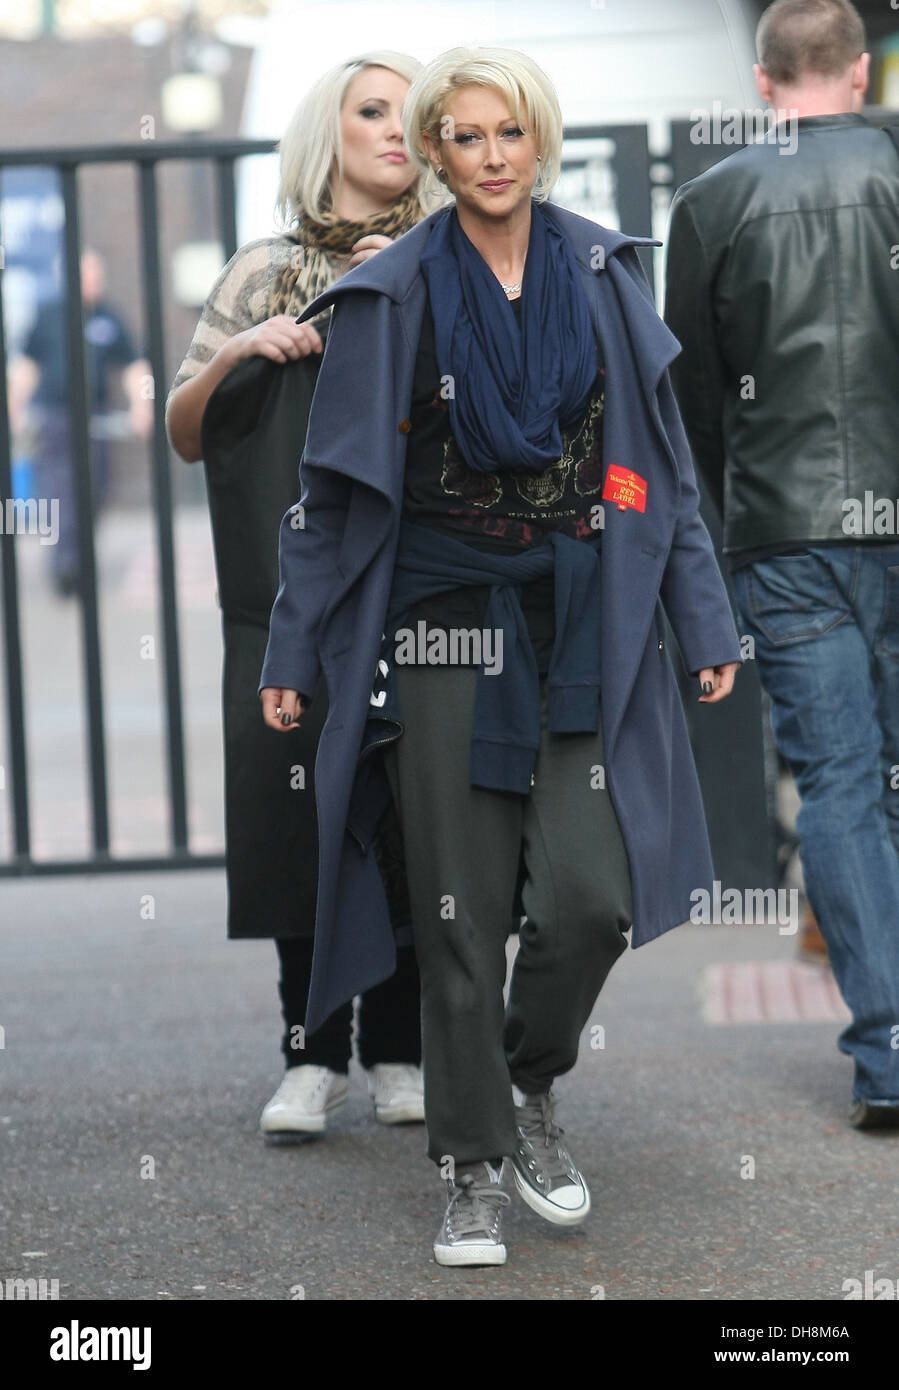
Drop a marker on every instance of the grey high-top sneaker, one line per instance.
(471, 1233)
(545, 1173)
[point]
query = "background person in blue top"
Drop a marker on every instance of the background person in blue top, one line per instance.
(39, 380)
(468, 420)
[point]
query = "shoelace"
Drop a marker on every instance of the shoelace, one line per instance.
(401, 1076)
(291, 1084)
(539, 1129)
(481, 1200)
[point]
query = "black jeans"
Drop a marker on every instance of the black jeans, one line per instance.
(389, 1014)
(463, 849)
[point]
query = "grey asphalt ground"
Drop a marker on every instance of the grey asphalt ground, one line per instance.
(128, 1040)
(136, 1044)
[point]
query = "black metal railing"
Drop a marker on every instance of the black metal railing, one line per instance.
(67, 162)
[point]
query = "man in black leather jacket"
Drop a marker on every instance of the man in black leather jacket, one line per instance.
(783, 287)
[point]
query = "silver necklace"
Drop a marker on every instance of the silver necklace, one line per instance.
(510, 289)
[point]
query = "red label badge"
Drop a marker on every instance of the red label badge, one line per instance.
(625, 487)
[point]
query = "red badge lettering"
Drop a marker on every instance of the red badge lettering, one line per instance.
(625, 487)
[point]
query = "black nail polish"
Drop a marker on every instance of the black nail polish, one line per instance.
(286, 719)
(706, 687)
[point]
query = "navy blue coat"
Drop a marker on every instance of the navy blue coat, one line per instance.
(336, 570)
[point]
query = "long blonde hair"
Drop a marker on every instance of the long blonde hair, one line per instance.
(311, 145)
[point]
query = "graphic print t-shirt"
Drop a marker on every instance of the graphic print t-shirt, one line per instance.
(501, 512)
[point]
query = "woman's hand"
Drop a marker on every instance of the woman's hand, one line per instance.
(366, 247)
(720, 679)
(281, 338)
(281, 709)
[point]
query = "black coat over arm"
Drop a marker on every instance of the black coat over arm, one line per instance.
(254, 426)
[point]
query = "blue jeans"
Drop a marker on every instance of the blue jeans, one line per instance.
(826, 628)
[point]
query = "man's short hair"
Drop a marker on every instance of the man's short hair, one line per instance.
(804, 38)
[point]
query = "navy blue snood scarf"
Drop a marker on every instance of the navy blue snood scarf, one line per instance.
(513, 391)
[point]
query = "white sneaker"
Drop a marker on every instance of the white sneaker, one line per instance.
(302, 1102)
(397, 1089)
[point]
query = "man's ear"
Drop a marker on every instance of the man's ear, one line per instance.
(763, 82)
(861, 73)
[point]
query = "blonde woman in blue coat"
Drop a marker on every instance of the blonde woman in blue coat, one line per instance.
(498, 502)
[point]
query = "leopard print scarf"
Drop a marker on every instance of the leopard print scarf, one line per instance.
(323, 251)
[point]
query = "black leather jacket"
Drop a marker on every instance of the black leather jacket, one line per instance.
(783, 288)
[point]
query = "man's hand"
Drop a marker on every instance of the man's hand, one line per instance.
(281, 709)
(22, 382)
(141, 418)
(720, 679)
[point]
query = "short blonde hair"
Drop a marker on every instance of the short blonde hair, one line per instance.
(510, 73)
(311, 145)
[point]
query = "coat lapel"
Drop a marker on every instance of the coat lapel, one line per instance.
(653, 345)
